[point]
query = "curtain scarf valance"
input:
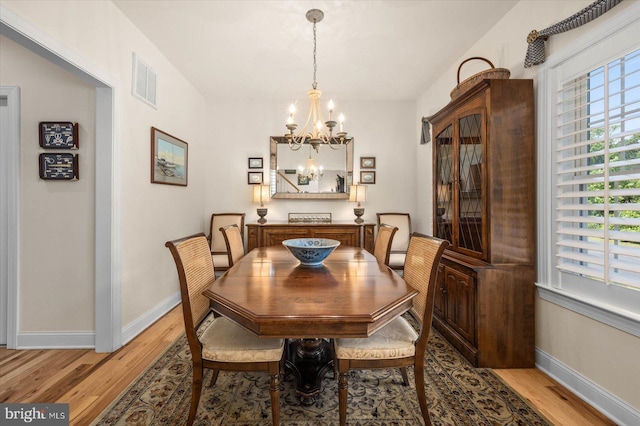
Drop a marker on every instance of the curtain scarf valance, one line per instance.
(536, 39)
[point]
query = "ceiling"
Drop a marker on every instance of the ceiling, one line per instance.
(382, 50)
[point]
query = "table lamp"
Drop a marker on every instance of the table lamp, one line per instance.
(358, 194)
(261, 194)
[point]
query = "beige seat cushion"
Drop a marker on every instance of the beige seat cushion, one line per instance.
(396, 260)
(395, 340)
(226, 341)
(220, 260)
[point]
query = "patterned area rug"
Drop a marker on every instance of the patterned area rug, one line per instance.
(457, 394)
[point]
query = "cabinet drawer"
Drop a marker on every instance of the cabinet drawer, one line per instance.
(275, 237)
(347, 237)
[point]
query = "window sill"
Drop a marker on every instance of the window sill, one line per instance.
(622, 320)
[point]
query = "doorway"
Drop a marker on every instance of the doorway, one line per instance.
(108, 329)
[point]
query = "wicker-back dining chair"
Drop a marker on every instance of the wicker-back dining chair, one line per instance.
(223, 345)
(397, 344)
(384, 239)
(233, 240)
(216, 240)
(400, 240)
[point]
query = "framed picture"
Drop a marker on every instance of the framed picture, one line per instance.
(58, 134)
(255, 162)
(59, 166)
(367, 177)
(303, 180)
(169, 159)
(254, 178)
(367, 162)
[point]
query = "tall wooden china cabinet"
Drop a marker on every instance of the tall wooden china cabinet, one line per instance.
(484, 205)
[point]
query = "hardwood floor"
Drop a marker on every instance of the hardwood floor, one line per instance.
(89, 382)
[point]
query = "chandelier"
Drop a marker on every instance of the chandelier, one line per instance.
(312, 172)
(315, 131)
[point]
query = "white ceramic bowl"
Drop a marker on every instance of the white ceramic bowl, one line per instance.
(311, 251)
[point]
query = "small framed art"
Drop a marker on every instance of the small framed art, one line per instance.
(367, 162)
(169, 159)
(62, 166)
(303, 180)
(58, 134)
(255, 162)
(254, 178)
(368, 177)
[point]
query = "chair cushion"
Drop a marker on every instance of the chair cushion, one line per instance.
(220, 260)
(395, 340)
(225, 341)
(396, 260)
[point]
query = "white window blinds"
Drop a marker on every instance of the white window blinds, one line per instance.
(598, 173)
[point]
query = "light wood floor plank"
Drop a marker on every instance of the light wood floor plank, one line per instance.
(550, 398)
(90, 382)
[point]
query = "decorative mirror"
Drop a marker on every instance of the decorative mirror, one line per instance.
(309, 174)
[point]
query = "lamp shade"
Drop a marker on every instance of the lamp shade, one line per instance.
(261, 194)
(357, 193)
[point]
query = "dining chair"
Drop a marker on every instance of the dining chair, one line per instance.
(216, 240)
(235, 245)
(216, 342)
(384, 239)
(401, 239)
(397, 344)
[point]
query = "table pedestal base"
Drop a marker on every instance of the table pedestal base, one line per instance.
(309, 360)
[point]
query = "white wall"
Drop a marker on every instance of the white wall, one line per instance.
(57, 242)
(151, 213)
(569, 338)
(381, 129)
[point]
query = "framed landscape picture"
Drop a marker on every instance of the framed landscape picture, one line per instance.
(368, 177)
(254, 178)
(255, 162)
(169, 159)
(367, 162)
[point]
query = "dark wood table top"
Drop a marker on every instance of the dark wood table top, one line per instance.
(350, 295)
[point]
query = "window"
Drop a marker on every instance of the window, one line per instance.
(589, 174)
(598, 174)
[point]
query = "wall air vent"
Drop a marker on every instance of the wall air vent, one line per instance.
(144, 81)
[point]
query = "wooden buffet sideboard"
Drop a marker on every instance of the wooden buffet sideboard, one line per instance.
(273, 233)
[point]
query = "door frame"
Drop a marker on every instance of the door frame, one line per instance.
(108, 247)
(10, 213)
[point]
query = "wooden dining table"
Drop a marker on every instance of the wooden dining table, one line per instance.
(350, 295)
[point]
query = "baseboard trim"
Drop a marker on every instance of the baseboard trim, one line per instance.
(87, 339)
(137, 326)
(599, 398)
(56, 340)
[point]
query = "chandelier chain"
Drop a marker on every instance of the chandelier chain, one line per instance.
(315, 65)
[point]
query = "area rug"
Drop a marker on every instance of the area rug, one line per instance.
(457, 394)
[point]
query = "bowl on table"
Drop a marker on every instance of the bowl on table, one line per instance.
(311, 251)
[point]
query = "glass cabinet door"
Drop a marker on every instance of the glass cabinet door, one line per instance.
(469, 183)
(444, 179)
(458, 184)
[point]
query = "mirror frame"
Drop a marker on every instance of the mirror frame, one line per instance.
(273, 162)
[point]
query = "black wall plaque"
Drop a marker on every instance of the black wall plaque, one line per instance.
(59, 166)
(58, 135)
